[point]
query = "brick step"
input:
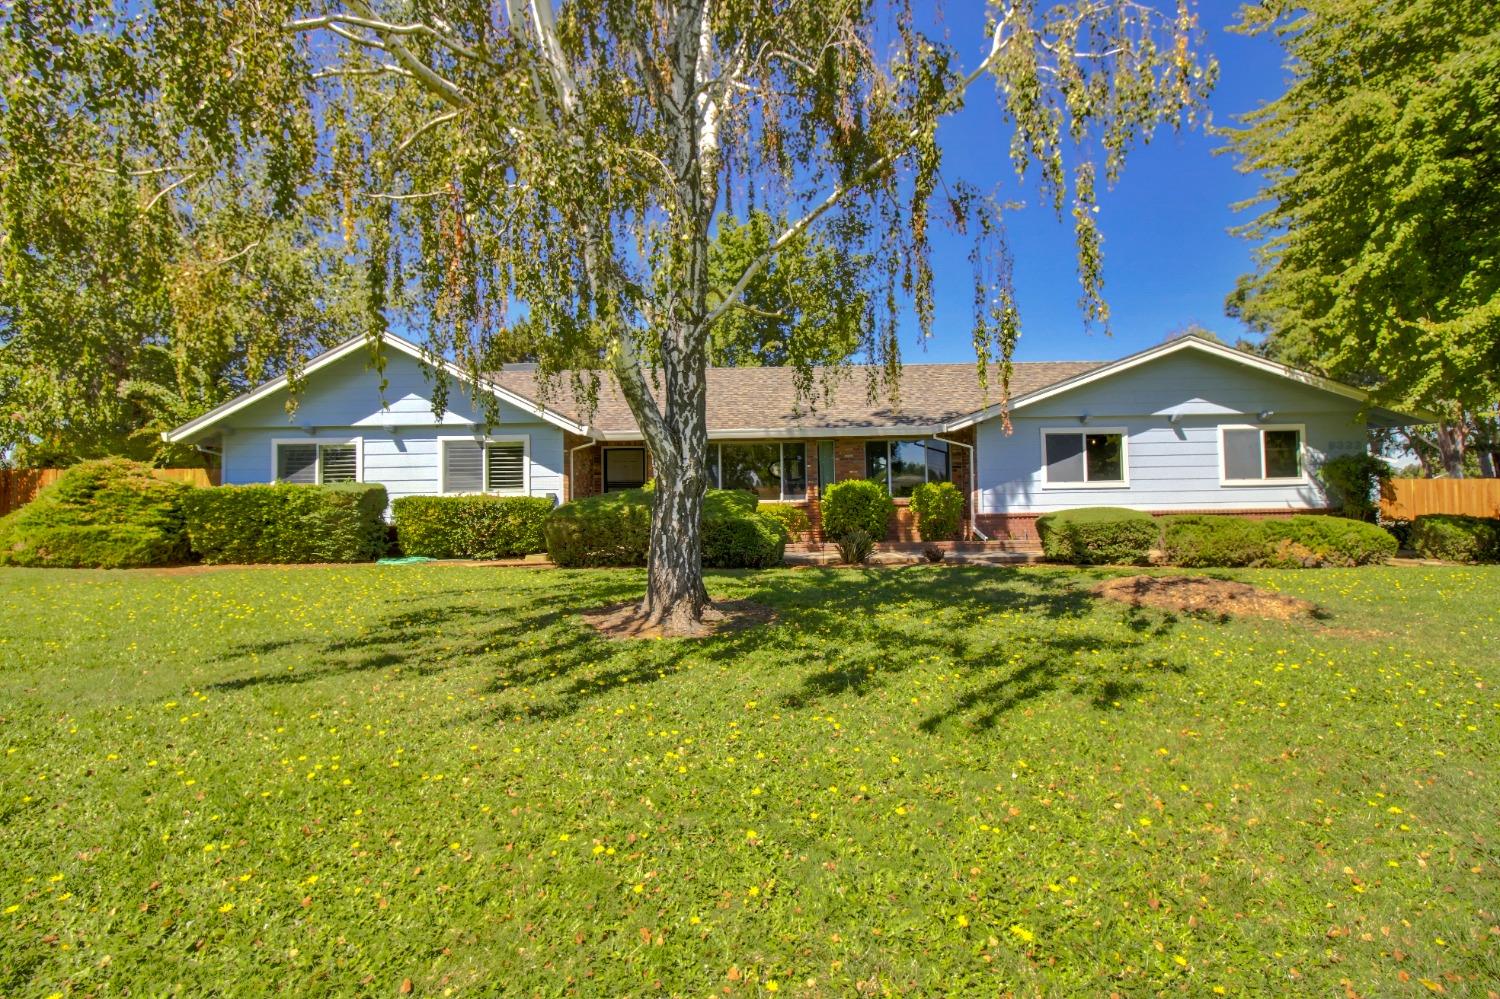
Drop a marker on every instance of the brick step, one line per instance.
(1025, 546)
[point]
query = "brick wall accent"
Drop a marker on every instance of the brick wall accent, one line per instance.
(582, 479)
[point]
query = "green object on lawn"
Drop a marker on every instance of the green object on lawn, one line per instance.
(405, 560)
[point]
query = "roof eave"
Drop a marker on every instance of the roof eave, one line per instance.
(190, 430)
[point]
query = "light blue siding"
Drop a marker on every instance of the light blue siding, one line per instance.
(399, 443)
(1171, 466)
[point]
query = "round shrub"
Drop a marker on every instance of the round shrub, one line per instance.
(939, 509)
(857, 505)
(614, 529)
(107, 514)
(471, 526)
(1325, 541)
(610, 529)
(793, 518)
(743, 541)
(1208, 541)
(1456, 538)
(1100, 535)
(284, 523)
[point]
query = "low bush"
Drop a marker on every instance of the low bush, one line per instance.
(614, 529)
(107, 514)
(1100, 535)
(1455, 538)
(857, 505)
(285, 523)
(1325, 541)
(939, 509)
(471, 526)
(793, 518)
(741, 540)
(855, 547)
(1201, 542)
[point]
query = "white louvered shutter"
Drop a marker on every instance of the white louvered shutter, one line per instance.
(340, 463)
(507, 468)
(463, 467)
(297, 463)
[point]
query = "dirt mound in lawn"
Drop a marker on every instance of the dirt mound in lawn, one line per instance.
(720, 617)
(1202, 595)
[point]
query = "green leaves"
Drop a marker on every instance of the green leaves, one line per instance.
(1380, 224)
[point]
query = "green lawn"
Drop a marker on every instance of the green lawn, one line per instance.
(926, 780)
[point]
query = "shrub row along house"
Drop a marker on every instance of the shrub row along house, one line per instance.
(1185, 426)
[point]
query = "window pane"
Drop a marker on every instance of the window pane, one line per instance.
(755, 468)
(877, 461)
(624, 468)
(463, 467)
(825, 465)
(937, 461)
(339, 462)
(1064, 457)
(1242, 454)
(1106, 457)
(794, 470)
(1283, 454)
(507, 469)
(297, 463)
(908, 466)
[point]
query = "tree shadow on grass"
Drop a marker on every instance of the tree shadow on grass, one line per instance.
(1007, 636)
(841, 634)
(470, 630)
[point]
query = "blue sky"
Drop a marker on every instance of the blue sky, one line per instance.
(1168, 257)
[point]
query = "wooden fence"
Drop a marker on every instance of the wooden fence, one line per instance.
(19, 485)
(1405, 499)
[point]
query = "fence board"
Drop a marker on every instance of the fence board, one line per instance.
(19, 485)
(1406, 499)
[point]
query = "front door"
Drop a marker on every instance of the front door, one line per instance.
(624, 468)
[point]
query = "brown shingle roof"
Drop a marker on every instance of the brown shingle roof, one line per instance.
(765, 399)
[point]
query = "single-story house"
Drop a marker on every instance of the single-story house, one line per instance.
(1187, 425)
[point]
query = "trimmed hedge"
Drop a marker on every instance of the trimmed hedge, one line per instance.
(857, 505)
(939, 509)
(1456, 538)
(1195, 541)
(471, 526)
(614, 529)
(1201, 542)
(1099, 535)
(1325, 541)
(286, 523)
(106, 514)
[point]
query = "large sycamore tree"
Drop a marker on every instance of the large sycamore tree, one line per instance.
(553, 171)
(1379, 215)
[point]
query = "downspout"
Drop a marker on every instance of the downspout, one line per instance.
(572, 463)
(973, 486)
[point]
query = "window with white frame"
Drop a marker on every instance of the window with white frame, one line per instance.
(771, 471)
(1253, 455)
(1084, 457)
(902, 466)
(312, 463)
(477, 465)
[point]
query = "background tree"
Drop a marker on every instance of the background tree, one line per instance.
(808, 294)
(572, 160)
(1379, 260)
(144, 277)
